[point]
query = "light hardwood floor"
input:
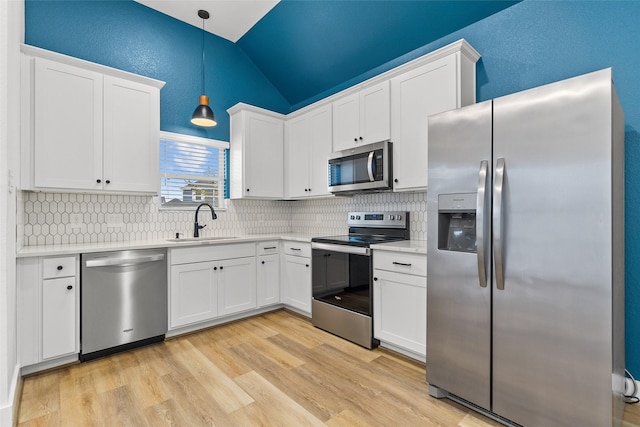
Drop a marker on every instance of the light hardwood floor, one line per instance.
(275, 369)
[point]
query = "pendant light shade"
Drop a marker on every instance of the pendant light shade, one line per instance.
(203, 115)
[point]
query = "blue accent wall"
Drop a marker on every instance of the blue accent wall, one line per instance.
(526, 45)
(538, 42)
(135, 38)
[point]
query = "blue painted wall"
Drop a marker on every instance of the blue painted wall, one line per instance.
(135, 38)
(538, 42)
(529, 44)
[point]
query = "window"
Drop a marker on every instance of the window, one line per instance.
(192, 171)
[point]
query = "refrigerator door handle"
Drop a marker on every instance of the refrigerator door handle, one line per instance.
(481, 212)
(497, 223)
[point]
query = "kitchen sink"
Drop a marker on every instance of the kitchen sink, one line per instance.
(200, 239)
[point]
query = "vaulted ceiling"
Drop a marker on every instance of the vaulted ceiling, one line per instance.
(307, 47)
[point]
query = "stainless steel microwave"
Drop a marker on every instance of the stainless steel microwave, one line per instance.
(365, 168)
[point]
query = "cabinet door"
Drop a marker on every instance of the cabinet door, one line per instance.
(400, 310)
(263, 167)
(58, 317)
(297, 283)
(268, 280)
(415, 95)
(236, 285)
(68, 127)
(131, 136)
(319, 150)
(375, 114)
(346, 122)
(298, 153)
(193, 293)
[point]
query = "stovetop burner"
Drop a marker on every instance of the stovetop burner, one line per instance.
(363, 240)
(367, 228)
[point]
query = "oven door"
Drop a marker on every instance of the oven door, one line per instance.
(341, 276)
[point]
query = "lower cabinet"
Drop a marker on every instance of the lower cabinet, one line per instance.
(268, 269)
(400, 301)
(193, 294)
(296, 281)
(268, 273)
(236, 285)
(48, 311)
(209, 282)
(59, 302)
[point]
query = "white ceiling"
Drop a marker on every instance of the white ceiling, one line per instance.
(229, 19)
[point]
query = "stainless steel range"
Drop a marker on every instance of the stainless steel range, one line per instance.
(342, 271)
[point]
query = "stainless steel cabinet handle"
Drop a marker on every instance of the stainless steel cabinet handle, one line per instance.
(497, 223)
(401, 263)
(270, 247)
(481, 226)
(123, 262)
(296, 249)
(370, 166)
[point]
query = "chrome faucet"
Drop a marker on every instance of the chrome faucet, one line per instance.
(196, 226)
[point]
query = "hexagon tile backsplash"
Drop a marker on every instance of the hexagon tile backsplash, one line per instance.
(61, 218)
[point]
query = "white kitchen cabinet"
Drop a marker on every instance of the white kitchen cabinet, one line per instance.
(208, 282)
(362, 117)
(193, 294)
(58, 317)
(256, 153)
(236, 285)
(307, 150)
(431, 85)
(400, 301)
(131, 136)
(86, 127)
(296, 281)
(48, 312)
(268, 273)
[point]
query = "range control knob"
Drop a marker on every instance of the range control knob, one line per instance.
(392, 217)
(399, 217)
(357, 216)
(352, 217)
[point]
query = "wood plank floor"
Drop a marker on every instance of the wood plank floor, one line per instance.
(275, 369)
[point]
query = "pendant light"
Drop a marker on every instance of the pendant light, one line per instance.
(203, 116)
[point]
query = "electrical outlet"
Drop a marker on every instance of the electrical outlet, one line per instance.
(76, 221)
(115, 220)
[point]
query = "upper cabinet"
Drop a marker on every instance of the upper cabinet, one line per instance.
(87, 127)
(307, 149)
(362, 117)
(256, 153)
(432, 84)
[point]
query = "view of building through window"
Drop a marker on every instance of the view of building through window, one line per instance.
(192, 171)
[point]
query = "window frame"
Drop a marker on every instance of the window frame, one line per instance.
(223, 163)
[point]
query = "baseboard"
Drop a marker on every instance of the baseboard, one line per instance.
(9, 412)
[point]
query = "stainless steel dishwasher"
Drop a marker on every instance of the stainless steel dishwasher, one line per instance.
(123, 300)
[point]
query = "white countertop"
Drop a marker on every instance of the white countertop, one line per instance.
(409, 246)
(71, 249)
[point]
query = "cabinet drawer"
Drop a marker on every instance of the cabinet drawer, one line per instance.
(297, 249)
(267, 248)
(400, 262)
(58, 267)
(205, 253)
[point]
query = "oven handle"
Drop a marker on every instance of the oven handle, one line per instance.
(357, 250)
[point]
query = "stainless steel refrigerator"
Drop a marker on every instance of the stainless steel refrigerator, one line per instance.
(525, 282)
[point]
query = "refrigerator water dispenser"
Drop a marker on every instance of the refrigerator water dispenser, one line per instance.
(457, 222)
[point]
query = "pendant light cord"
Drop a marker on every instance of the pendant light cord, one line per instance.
(203, 85)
